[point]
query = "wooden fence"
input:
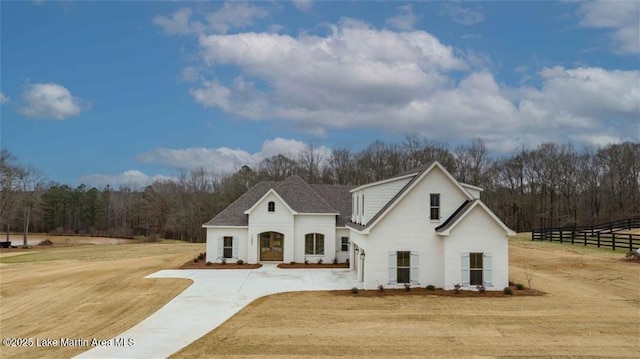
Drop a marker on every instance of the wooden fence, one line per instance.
(602, 235)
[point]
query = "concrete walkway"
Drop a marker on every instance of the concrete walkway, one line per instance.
(214, 297)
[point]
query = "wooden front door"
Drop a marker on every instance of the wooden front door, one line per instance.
(271, 246)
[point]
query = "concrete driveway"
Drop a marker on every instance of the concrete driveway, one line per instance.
(214, 297)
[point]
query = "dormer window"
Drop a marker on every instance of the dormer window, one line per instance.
(271, 206)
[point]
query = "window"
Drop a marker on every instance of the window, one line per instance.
(435, 206)
(314, 243)
(344, 244)
(475, 269)
(272, 206)
(227, 247)
(404, 267)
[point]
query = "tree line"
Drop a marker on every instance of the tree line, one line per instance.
(549, 185)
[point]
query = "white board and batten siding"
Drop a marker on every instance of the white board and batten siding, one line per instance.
(375, 197)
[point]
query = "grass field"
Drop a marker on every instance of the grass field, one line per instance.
(592, 308)
(83, 291)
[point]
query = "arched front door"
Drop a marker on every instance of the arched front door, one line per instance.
(271, 246)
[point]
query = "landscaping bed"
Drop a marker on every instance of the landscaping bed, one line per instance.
(438, 292)
(294, 265)
(203, 265)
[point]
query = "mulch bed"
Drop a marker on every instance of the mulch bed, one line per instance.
(311, 265)
(203, 265)
(438, 293)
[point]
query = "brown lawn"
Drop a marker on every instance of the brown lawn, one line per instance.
(591, 309)
(83, 291)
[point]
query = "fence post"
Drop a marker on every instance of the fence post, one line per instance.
(630, 244)
(560, 235)
(573, 234)
(598, 239)
(613, 241)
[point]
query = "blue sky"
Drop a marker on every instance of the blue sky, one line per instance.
(126, 92)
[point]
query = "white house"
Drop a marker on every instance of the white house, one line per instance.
(422, 227)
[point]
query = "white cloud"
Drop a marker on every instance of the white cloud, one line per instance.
(304, 5)
(3, 99)
(461, 15)
(179, 23)
(358, 77)
(223, 159)
(132, 178)
(235, 15)
(232, 15)
(404, 20)
(354, 70)
(189, 74)
(623, 17)
(50, 100)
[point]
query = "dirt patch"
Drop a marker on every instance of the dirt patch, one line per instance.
(203, 265)
(311, 265)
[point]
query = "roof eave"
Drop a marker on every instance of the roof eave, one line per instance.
(383, 181)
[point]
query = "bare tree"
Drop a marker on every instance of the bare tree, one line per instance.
(8, 185)
(473, 163)
(31, 186)
(310, 163)
(278, 167)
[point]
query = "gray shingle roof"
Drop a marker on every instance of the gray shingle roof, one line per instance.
(300, 196)
(466, 205)
(338, 197)
(233, 215)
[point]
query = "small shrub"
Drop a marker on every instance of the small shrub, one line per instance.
(319, 260)
(46, 242)
(209, 263)
(306, 261)
(240, 262)
(223, 261)
(380, 288)
(507, 291)
(347, 261)
(335, 260)
(354, 290)
(511, 284)
(202, 255)
(407, 287)
(481, 288)
(457, 287)
(292, 262)
(431, 287)
(519, 286)
(195, 260)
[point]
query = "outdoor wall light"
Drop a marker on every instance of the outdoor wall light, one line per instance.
(362, 254)
(357, 250)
